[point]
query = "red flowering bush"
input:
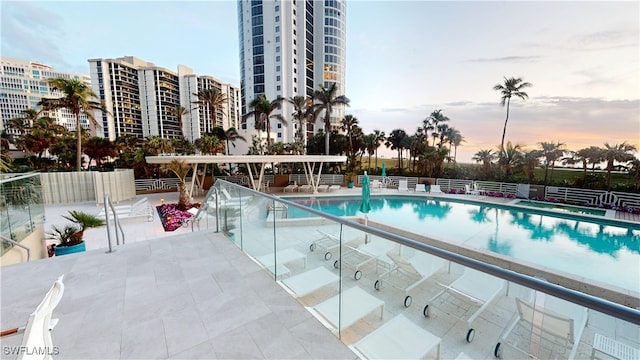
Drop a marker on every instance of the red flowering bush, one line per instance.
(172, 217)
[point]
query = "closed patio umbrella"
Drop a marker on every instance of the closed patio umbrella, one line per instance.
(365, 205)
(384, 170)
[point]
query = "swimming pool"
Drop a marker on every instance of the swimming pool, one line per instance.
(601, 250)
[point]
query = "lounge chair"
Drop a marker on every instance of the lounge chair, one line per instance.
(475, 287)
(235, 199)
(435, 189)
(408, 272)
(356, 304)
(141, 208)
(400, 338)
(305, 187)
(290, 187)
(334, 187)
(329, 243)
(403, 185)
(469, 191)
(323, 187)
(420, 188)
(37, 331)
(308, 282)
(549, 321)
(276, 263)
(376, 185)
(374, 251)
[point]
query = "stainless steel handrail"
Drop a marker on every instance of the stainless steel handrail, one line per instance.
(4, 238)
(212, 191)
(592, 302)
(108, 204)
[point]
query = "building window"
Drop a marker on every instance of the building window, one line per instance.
(277, 18)
(277, 48)
(278, 78)
(278, 88)
(277, 39)
(279, 134)
(279, 125)
(278, 68)
(278, 58)
(277, 29)
(277, 8)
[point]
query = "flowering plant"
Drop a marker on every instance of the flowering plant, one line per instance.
(172, 217)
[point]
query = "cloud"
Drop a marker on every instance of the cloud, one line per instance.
(517, 59)
(32, 32)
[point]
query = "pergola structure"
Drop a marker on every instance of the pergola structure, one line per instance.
(310, 163)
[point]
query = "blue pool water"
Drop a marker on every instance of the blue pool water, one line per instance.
(604, 251)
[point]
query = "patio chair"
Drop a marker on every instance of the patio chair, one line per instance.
(399, 338)
(334, 187)
(403, 185)
(551, 323)
(305, 187)
(420, 188)
(310, 281)
(141, 208)
(473, 287)
(291, 187)
(37, 331)
(356, 304)
(408, 272)
(376, 185)
(323, 187)
(469, 191)
(435, 189)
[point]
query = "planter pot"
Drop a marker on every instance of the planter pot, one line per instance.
(350, 184)
(64, 250)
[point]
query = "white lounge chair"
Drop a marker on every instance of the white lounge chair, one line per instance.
(329, 242)
(435, 189)
(275, 263)
(36, 340)
(234, 199)
(475, 287)
(323, 187)
(408, 272)
(358, 257)
(334, 187)
(353, 304)
(403, 185)
(420, 188)
(546, 321)
(307, 282)
(376, 185)
(400, 338)
(290, 187)
(469, 191)
(305, 187)
(141, 208)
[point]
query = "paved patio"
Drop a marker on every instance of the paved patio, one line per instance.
(182, 297)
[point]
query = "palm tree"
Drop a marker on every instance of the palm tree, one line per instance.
(212, 100)
(42, 135)
(262, 110)
(531, 160)
(618, 152)
(396, 141)
(98, 148)
(512, 155)
(209, 144)
(551, 152)
(511, 87)
(486, 157)
(181, 170)
(435, 123)
(380, 138)
(456, 139)
(179, 112)
(302, 110)
(78, 98)
(22, 124)
(327, 99)
(369, 143)
(231, 134)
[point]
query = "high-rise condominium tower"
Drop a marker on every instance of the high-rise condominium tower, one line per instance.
(23, 84)
(143, 100)
(288, 48)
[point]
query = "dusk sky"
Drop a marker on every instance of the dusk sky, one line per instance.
(404, 59)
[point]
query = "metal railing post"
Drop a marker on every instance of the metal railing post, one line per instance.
(106, 216)
(4, 238)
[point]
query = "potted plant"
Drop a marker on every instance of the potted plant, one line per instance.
(70, 238)
(350, 177)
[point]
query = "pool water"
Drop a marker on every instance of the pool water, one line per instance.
(604, 251)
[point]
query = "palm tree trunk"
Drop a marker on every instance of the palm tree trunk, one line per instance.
(327, 129)
(504, 131)
(183, 200)
(79, 144)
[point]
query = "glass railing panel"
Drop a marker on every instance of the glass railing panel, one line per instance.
(21, 207)
(546, 327)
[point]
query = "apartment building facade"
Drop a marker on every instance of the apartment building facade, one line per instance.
(287, 49)
(144, 100)
(23, 84)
